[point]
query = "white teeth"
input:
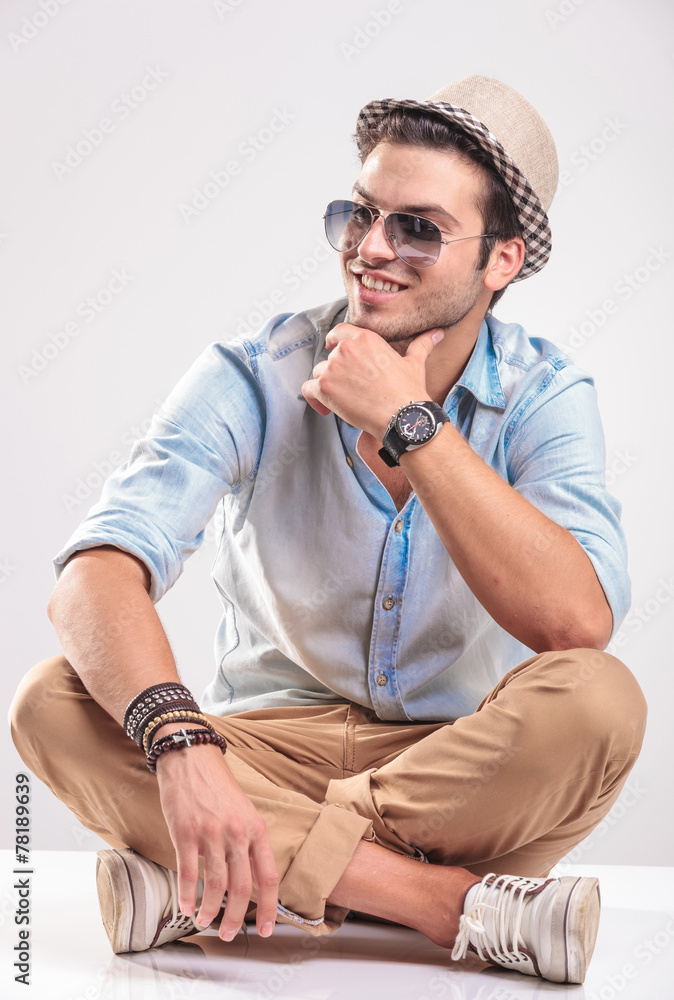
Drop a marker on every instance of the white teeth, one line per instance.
(378, 285)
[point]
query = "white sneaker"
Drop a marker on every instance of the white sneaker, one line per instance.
(139, 902)
(542, 927)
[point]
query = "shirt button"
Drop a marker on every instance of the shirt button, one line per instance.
(399, 525)
(382, 679)
(349, 460)
(388, 603)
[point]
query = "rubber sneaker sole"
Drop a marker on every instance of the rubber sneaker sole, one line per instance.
(117, 899)
(130, 897)
(537, 926)
(579, 923)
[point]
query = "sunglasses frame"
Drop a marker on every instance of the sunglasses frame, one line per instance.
(377, 214)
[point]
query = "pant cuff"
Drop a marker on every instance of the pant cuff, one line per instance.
(317, 868)
(355, 794)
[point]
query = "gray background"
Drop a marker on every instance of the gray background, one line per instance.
(600, 72)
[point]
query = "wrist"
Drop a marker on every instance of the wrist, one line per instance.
(184, 739)
(186, 758)
(389, 412)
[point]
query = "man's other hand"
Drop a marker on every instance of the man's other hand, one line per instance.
(209, 816)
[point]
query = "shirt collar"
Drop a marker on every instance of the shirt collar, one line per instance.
(480, 376)
(324, 319)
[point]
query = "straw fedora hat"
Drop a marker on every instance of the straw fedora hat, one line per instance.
(516, 139)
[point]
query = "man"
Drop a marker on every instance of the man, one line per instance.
(419, 567)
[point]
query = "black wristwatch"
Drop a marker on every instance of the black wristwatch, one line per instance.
(411, 427)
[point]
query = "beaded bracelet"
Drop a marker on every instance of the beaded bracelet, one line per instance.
(189, 709)
(180, 740)
(166, 717)
(154, 697)
(144, 720)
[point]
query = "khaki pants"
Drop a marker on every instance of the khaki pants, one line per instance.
(510, 789)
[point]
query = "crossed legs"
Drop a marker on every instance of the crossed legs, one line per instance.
(350, 801)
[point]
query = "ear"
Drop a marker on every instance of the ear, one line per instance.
(504, 263)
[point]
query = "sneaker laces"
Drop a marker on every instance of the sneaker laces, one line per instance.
(502, 941)
(179, 920)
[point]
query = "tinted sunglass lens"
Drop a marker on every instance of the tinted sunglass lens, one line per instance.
(415, 240)
(346, 224)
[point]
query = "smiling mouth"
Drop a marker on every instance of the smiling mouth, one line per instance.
(377, 285)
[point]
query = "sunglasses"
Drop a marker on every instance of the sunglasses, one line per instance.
(417, 241)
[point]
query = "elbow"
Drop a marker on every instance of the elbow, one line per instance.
(52, 605)
(598, 628)
(583, 631)
(58, 609)
(579, 640)
(59, 598)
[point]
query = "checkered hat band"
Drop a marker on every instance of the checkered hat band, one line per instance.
(531, 214)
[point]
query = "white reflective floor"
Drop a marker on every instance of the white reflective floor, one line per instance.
(71, 957)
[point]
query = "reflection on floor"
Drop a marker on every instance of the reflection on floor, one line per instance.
(71, 957)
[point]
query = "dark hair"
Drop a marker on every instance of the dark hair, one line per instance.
(412, 127)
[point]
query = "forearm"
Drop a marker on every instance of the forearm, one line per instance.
(112, 636)
(528, 572)
(108, 628)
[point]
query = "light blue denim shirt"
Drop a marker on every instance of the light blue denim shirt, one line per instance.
(311, 547)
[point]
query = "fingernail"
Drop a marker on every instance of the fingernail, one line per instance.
(229, 935)
(266, 929)
(437, 336)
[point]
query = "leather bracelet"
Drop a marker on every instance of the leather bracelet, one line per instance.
(162, 720)
(180, 740)
(156, 696)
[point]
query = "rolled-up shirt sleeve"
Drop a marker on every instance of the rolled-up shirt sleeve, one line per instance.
(204, 442)
(556, 458)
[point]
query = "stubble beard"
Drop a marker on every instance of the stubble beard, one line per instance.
(443, 310)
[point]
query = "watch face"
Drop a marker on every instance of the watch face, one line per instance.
(415, 423)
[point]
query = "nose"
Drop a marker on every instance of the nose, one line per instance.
(374, 244)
